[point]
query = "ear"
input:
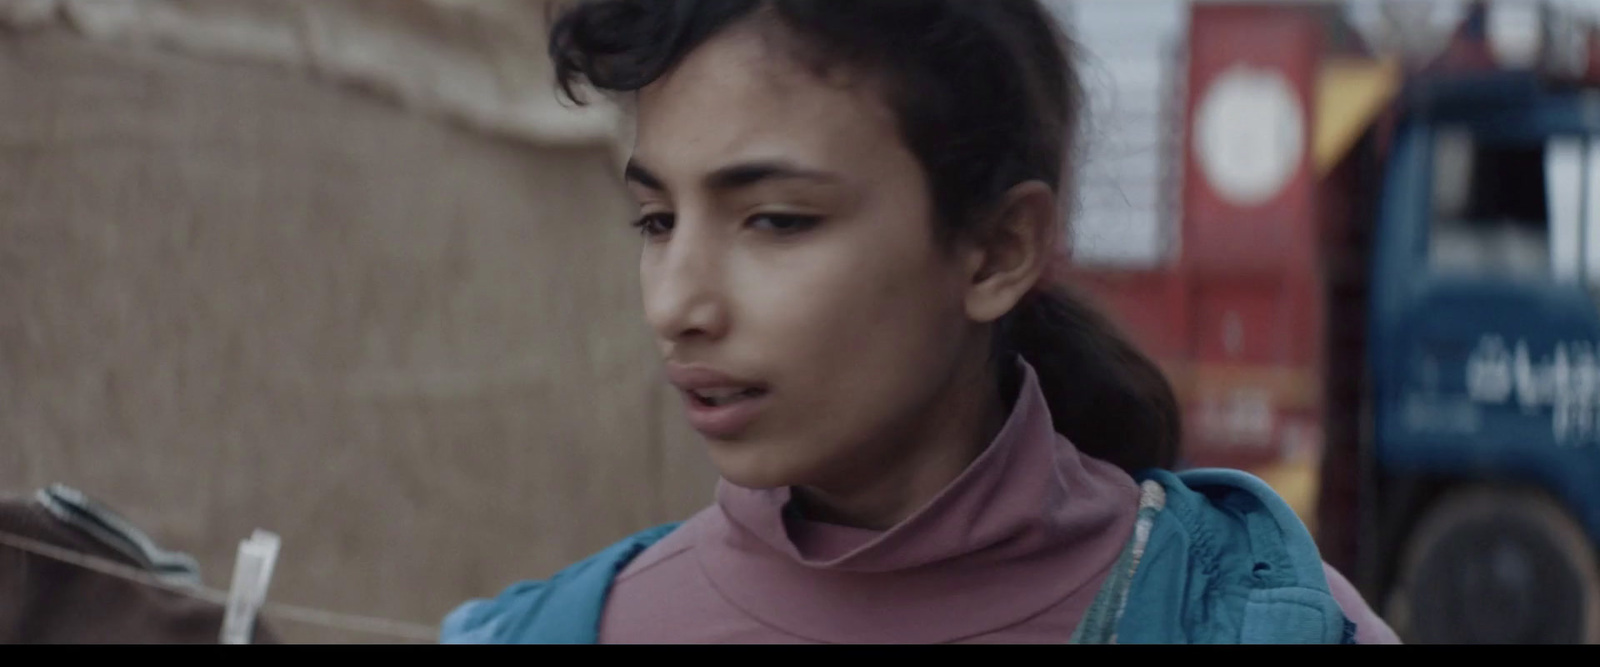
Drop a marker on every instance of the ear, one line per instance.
(1012, 251)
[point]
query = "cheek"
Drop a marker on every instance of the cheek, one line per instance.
(852, 317)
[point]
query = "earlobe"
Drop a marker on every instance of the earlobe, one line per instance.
(1013, 252)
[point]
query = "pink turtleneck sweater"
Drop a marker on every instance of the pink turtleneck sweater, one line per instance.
(1022, 539)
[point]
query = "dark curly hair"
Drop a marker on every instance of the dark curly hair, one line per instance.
(986, 97)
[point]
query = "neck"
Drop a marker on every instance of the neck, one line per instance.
(941, 443)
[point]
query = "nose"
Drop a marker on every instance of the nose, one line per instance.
(681, 278)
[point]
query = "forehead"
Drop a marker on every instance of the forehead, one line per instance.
(743, 95)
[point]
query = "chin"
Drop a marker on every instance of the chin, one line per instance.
(751, 466)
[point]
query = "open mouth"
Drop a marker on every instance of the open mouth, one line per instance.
(715, 398)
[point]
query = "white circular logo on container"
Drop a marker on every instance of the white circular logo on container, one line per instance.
(1249, 134)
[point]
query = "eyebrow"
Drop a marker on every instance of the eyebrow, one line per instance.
(636, 173)
(734, 177)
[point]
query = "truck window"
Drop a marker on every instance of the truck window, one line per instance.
(1490, 208)
(1572, 164)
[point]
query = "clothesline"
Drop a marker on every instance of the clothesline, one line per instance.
(306, 615)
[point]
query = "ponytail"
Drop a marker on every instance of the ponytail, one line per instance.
(1110, 400)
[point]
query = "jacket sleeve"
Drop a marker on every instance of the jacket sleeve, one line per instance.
(1370, 628)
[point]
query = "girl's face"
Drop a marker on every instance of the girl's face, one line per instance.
(817, 331)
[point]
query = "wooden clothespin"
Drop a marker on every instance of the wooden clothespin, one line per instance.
(252, 572)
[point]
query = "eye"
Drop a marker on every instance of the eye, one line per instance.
(783, 224)
(654, 225)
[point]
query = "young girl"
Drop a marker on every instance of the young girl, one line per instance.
(848, 212)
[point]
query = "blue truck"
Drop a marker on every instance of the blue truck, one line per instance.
(1386, 302)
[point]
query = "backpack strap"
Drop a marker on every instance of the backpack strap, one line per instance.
(1099, 624)
(565, 609)
(1227, 562)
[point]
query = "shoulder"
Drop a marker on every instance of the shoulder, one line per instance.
(521, 613)
(1227, 560)
(1370, 628)
(670, 548)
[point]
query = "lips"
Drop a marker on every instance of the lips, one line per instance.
(720, 405)
(721, 396)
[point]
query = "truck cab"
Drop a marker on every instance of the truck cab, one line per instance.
(1484, 360)
(1384, 303)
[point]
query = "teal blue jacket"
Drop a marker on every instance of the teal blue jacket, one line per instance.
(1217, 557)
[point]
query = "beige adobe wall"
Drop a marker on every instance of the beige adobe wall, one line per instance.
(238, 294)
